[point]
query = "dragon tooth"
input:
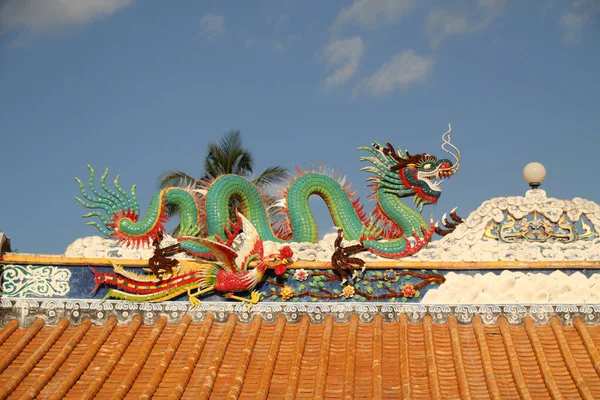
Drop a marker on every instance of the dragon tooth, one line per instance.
(418, 202)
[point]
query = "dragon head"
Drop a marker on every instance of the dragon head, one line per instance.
(405, 174)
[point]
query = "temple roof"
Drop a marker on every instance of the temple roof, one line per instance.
(320, 354)
(466, 338)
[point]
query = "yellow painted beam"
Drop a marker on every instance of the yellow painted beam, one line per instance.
(41, 259)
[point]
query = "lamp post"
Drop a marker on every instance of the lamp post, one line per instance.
(534, 173)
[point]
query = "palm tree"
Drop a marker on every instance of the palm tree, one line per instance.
(229, 156)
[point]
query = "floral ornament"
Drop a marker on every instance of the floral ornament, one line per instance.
(390, 275)
(408, 290)
(287, 292)
(283, 258)
(286, 252)
(280, 269)
(301, 274)
(348, 291)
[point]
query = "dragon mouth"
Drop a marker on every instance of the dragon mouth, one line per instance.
(435, 178)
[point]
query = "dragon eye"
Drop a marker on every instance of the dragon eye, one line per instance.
(427, 163)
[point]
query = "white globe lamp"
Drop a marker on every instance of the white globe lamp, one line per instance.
(534, 173)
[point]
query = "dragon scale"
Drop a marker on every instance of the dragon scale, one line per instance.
(393, 229)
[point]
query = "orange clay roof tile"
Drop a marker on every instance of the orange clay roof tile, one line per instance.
(303, 360)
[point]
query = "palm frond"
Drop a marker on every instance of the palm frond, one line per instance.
(175, 178)
(271, 175)
(242, 165)
(228, 156)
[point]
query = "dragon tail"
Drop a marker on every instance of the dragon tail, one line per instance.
(115, 204)
(118, 212)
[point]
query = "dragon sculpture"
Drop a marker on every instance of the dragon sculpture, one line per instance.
(392, 230)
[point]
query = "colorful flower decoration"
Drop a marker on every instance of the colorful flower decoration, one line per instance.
(390, 275)
(286, 252)
(280, 269)
(348, 291)
(408, 290)
(287, 292)
(301, 274)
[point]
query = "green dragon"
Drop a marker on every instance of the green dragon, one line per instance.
(392, 230)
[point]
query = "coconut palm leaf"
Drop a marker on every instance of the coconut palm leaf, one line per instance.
(228, 156)
(175, 178)
(270, 176)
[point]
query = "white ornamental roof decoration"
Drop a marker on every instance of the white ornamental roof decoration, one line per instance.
(571, 228)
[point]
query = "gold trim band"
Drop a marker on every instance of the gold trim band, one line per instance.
(41, 259)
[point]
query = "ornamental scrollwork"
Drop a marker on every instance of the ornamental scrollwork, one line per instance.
(30, 280)
(538, 228)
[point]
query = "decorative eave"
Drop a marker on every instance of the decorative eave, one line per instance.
(26, 311)
(305, 350)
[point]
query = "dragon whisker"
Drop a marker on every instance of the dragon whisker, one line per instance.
(446, 142)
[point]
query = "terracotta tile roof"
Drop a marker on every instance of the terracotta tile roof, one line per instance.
(301, 360)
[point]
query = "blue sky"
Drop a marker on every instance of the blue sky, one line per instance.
(141, 87)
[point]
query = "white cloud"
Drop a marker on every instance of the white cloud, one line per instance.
(573, 24)
(346, 55)
(441, 23)
(491, 8)
(278, 45)
(282, 37)
(574, 21)
(548, 4)
(283, 43)
(212, 26)
(402, 70)
(37, 17)
(371, 13)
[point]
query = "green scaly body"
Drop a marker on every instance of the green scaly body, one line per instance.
(385, 231)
